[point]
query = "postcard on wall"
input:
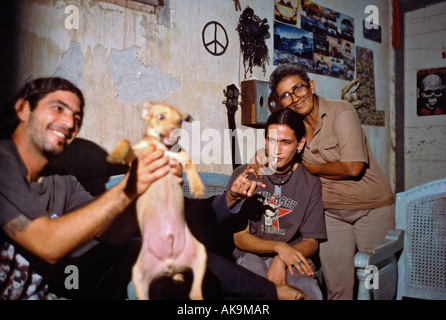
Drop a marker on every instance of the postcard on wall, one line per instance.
(324, 43)
(431, 92)
(286, 11)
(292, 45)
(374, 34)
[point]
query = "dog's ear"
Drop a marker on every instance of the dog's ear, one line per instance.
(187, 117)
(147, 109)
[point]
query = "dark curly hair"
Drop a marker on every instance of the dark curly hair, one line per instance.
(34, 91)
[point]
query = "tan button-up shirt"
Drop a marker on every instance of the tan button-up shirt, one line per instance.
(339, 137)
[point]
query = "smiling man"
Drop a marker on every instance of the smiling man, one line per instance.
(55, 237)
(47, 128)
(48, 219)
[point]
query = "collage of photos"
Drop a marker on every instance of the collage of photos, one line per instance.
(323, 41)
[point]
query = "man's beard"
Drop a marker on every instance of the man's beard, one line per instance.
(49, 151)
(52, 154)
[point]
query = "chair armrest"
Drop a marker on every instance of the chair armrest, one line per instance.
(381, 250)
(377, 264)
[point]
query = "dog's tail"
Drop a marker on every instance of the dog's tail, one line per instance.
(170, 266)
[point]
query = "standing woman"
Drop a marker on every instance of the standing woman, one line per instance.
(358, 200)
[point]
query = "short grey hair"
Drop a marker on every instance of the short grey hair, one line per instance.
(287, 70)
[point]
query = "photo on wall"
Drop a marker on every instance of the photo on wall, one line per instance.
(292, 45)
(431, 91)
(330, 33)
(333, 34)
(286, 11)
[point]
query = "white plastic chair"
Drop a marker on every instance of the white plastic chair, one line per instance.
(421, 230)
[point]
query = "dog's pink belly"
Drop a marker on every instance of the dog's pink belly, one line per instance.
(164, 243)
(168, 245)
(161, 210)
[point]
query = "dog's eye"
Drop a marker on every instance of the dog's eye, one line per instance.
(160, 117)
(180, 122)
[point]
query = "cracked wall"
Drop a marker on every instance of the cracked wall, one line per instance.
(121, 56)
(135, 83)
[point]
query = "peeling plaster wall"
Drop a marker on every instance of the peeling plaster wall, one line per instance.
(136, 83)
(71, 65)
(168, 62)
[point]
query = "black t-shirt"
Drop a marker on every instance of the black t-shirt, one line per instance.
(55, 194)
(289, 212)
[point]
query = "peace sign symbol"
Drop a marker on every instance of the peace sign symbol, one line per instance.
(213, 30)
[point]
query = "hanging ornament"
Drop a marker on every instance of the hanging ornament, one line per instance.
(253, 32)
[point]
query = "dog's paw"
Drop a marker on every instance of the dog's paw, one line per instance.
(115, 158)
(120, 153)
(197, 189)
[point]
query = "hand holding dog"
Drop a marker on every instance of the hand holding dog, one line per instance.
(150, 165)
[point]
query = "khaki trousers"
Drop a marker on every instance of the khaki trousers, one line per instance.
(347, 232)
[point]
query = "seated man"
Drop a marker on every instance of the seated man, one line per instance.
(50, 222)
(283, 232)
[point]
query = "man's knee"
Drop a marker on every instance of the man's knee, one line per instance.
(254, 263)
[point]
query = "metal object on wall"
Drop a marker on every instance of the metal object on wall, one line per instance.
(255, 98)
(232, 93)
(215, 38)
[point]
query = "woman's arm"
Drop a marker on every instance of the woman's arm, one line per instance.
(336, 170)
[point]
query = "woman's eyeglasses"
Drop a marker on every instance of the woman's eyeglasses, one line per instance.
(299, 91)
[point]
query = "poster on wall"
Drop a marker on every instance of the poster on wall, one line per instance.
(374, 34)
(431, 91)
(330, 34)
(365, 73)
(292, 45)
(286, 12)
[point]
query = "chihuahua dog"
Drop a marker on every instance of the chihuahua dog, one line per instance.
(168, 246)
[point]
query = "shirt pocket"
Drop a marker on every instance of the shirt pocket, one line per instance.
(330, 149)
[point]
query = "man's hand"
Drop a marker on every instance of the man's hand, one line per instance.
(242, 188)
(277, 271)
(259, 163)
(150, 165)
(293, 258)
